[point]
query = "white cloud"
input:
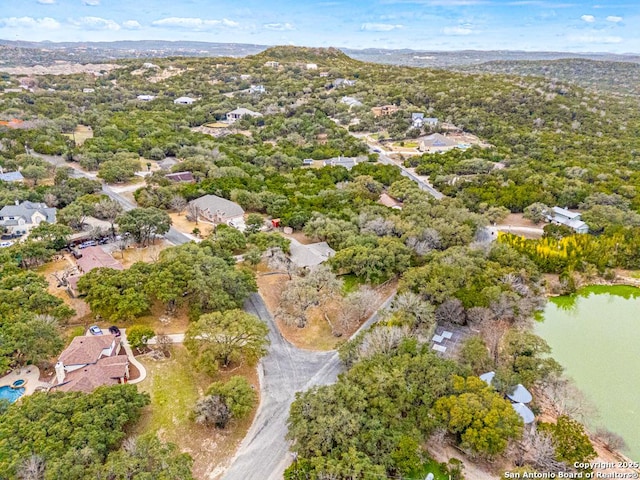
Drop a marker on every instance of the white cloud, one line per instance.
(47, 2)
(91, 3)
(614, 19)
(588, 18)
(380, 27)
(279, 26)
(30, 22)
(457, 31)
(96, 23)
(594, 38)
(191, 23)
(131, 24)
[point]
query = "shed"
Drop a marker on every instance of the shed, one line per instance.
(184, 101)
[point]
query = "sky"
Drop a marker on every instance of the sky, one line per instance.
(533, 25)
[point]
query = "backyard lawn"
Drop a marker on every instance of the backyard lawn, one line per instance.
(175, 387)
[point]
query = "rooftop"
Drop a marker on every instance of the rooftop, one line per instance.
(215, 204)
(106, 371)
(86, 349)
(96, 257)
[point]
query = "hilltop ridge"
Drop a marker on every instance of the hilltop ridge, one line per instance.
(288, 53)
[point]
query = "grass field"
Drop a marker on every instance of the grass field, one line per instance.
(175, 387)
(81, 134)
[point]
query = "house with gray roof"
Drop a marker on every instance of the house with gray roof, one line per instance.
(573, 220)
(235, 115)
(438, 143)
(19, 219)
(11, 177)
(216, 209)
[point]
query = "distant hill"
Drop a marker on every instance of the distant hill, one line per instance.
(321, 56)
(616, 77)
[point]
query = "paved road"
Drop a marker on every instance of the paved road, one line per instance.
(173, 235)
(384, 158)
(264, 452)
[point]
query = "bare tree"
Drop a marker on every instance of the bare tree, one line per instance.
(302, 293)
(477, 316)
(164, 343)
(178, 204)
(426, 241)
(451, 311)
(492, 332)
(537, 450)
(109, 209)
(355, 307)
(50, 199)
(32, 468)
(611, 440)
(568, 399)
(419, 310)
(381, 339)
(193, 212)
(278, 260)
(212, 410)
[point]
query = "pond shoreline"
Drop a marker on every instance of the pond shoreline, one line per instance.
(601, 319)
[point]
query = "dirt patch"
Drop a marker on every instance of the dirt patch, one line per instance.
(318, 334)
(52, 272)
(80, 135)
(131, 255)
(301, 237)
(183, 225)
(517, 220)
(175, 388)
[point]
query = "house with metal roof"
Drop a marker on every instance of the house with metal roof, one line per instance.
(11, 177)
(562, 216)
(19, 219)
(184, 101)
(235, 115)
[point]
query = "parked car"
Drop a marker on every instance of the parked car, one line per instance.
(5, 244)
(76, 253)
(88, 243)
(113, 330)
(95, 330)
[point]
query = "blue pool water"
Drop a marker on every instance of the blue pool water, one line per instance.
(11, 394)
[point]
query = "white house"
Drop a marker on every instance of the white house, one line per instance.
(235, 115)
(257, 89)
(573, 220)
(184, 101)
(351, 101)
(146, 98)
(272, 64)
(20, 218)
(88, 90)
(312, 66)
(417, 120)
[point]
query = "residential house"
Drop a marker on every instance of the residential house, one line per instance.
(437, 143)
(573, 220)
(343, 82)
(146, 98)
(88, 90)
(96, 257)
(324, 74)
(312, 66)
(180, 177)
(272, 64)
(417, 120)
(11, 177)
(351, 102)
(184, 101)
(92, 257)
(310, 255)
(20, 218)
(430, 122)
(245, 76)
(90, 362)
(257, 89)
(384, 110)
(347, 162)
(235, 115)
(217, 209)
(13, 90)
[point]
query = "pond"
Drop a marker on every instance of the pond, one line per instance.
(595, 335)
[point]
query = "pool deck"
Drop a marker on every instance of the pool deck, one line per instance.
(30, 373)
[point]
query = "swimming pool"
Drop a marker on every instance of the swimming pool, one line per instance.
(11, 394)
